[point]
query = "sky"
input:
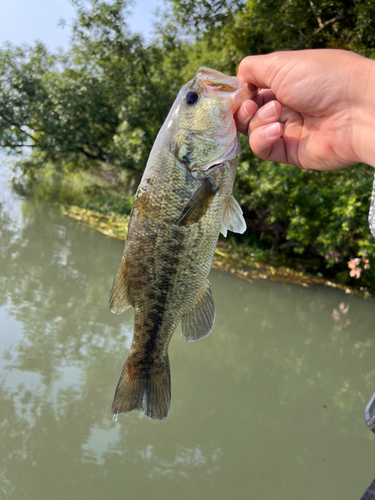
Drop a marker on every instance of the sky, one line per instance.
(24, 21)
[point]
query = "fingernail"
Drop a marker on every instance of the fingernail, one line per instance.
(272, 131)
(248, 108)
(268, 111)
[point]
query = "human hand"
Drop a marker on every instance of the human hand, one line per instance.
(315, 109)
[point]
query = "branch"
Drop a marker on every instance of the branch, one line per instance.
(18, 146)
(288, 244)
(99, 157)
(317, 16)
(17, 126)
(133, 170)
(333, 20)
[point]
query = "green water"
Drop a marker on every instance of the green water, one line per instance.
(268, 406)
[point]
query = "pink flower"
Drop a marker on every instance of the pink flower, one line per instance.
(366, 263)
(355, 273)
(355, 270)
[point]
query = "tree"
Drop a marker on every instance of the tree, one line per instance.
(253, 27)
(321, 216)
(104, 100)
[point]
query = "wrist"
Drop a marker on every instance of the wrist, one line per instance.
(363, 115)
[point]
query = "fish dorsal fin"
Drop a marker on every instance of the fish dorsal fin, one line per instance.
(118, 298)
(232, 218)
(199, 321)
(198, 204)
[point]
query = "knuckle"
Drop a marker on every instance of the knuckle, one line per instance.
(243, 64)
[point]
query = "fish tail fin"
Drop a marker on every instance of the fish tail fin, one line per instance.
(147, 392)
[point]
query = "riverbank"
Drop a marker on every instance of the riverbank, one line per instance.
(103, 200)
(235, 259)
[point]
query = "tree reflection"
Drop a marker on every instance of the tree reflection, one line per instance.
(278, 372)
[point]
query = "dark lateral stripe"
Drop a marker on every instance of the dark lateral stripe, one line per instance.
(156, 316)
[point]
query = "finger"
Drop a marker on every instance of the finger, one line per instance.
(249, 107)
(244, 114)
(286, 149)
(256, 70)
(263, 140)
(262, 70)
(271, 112)
(263, 96)
(282, 152)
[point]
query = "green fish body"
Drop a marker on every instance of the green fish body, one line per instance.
(183, 202)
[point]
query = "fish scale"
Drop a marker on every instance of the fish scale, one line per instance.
(183, 201)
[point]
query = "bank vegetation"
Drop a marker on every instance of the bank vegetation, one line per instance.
(88, 118)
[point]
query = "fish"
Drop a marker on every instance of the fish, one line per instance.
(183, 202)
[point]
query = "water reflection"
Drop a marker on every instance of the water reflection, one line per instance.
(269, 405)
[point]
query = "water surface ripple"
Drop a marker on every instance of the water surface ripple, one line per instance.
(268, 406)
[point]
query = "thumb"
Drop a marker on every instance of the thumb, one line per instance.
(261, 70)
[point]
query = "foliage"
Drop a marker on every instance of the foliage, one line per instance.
(98, 107)
(49, 104)
(313, 214)
(107, 191)
(254, 27)
(102, 101)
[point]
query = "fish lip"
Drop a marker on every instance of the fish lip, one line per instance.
(235, 89)
(245, 91)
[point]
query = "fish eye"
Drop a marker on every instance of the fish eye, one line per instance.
(192, 97)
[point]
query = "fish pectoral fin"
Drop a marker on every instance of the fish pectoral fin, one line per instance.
(198, 204)
(118, 298)
(233, 219)
(199, 321)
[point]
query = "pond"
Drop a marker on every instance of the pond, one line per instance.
(270, 405)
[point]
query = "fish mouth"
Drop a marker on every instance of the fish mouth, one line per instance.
(228, 86)
(245, 91)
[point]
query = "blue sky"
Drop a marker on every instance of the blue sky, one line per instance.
(24, 21)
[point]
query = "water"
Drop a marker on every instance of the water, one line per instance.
(270, 405)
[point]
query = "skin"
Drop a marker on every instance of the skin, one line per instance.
(315, 109)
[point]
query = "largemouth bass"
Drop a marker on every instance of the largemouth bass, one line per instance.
(183, 202)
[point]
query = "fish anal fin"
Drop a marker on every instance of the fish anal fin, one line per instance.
(198, 204)
(118, 298)
(147, 392)
(199, 321)
(233, 219)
